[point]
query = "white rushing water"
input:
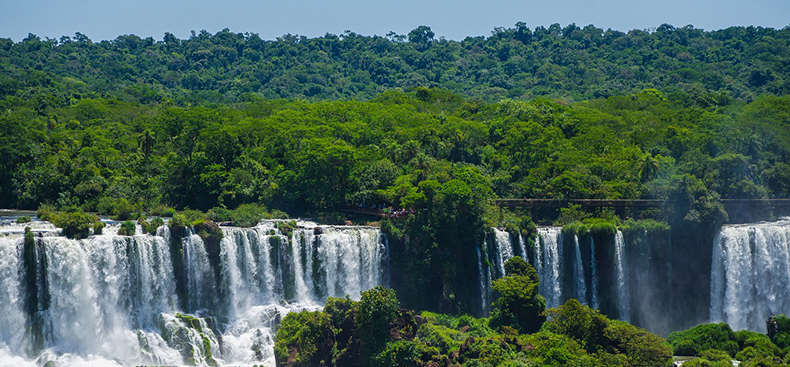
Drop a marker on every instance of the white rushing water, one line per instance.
(596, 303)
(548, 264)
(579, 284)
(113, 300)
(750, 274)
(504, 249)
(623, 288)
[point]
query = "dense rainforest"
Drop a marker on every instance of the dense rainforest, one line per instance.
(567, 62)
(232, 128)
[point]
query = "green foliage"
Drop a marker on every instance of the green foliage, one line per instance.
(75, 223)
(583, 324)
(642, 348)
(779, 330)
(23, 219)
(443, 338)
(597, 334)
(304, 339)
(703, 337)
(404, 353)
(518, 304)
(339, 309)
(152, 226)
(98, 227)
(249, 215)
(127, 228)
(376, 309)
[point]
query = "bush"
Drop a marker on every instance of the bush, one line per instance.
(75, 223)
(376, 309)
(443, 338)
(304, 339)
(162, 210)
(339, 309)
(582, 323)
(641, 347)
(153, 225)
(98, 227)
(249, 215)
(128, 228)
(404, 353)
(703, 337)
(23, 220)
(779, 330)
(177, 222)
(519, 305)
(45, 211)
(219, 214)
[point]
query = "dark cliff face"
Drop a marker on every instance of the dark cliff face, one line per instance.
(668, 274)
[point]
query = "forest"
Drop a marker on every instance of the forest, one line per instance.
(231, 128)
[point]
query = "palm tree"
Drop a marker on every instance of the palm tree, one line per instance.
(146, 142)
(648, 167)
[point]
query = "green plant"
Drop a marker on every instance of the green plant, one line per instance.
(23, 219)
(703, 337)
(128, 228)
(519, 305)
(376, 309)
(75, 223)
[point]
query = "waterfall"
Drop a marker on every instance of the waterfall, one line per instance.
(750, 274)
(548, 264)
(484, 274)
(596, 303)
(504, 250)
(522, 245)
(579, 285)
(12, 317)
(623, 289)
(117, 300)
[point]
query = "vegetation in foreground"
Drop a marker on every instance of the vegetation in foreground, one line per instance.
(376, 332)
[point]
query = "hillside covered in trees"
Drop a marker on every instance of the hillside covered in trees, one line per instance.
(571, 63)
(398, 149)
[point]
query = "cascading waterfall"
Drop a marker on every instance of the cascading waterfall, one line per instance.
(484, 273)
(12, 317)
(596, 303)
(579, 284)
(504, 249)
(750, 274)
(548, 263)
(623, 289)
(114, 300)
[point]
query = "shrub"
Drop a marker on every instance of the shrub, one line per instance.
(23, 219)
(703, 337)
(177, 222)
(249, 215)
(443, 338)
(45, 211)
(152, 226)
(641, 347)
(128, 228)
(404, 353)
(339, 309)
(75, 223)
(376, 309)
(123, 210)
(98, 227)
(162, 210)
(519, 305)
(304, 339)
(779, 330)
(219, 214)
